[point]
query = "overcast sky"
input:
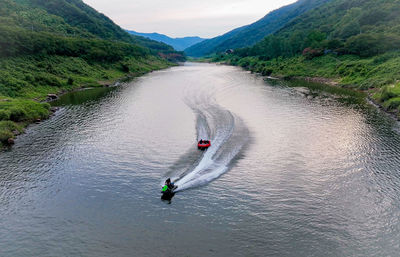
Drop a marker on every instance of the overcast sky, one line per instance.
(179, 18)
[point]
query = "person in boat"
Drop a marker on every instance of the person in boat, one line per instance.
(201, 141)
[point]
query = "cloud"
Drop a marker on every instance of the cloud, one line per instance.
(206, 18)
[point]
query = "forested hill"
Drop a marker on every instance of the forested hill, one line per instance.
(361, 27)
(71, 18)
(49, 46)
(78, 14)
(180, 43)
(251, 34)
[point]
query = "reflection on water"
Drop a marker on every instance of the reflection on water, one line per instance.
(83, 96)
(288, 176)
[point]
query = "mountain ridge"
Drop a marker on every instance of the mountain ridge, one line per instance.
(250, 34)
(178, 43)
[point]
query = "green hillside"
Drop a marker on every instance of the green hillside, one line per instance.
(361, 27)
(251, 34)
(58, 45)
(69, 18)
(355, 42)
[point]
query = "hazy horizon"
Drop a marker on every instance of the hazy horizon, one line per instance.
(178, 18)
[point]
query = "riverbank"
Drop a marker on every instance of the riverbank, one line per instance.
(377, 77)
(33, 82)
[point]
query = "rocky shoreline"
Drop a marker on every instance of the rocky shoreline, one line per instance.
(369, 99)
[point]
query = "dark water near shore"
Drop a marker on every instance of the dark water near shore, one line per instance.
(285, 176)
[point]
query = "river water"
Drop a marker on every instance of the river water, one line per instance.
(285, 175)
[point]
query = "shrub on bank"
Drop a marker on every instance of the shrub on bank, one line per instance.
(389, 96)
(7, 129)
(5, 135)
(19, 110)
(18, 114)
(392, 104)
(4, 115)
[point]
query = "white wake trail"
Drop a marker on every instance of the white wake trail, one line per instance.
(228, 136)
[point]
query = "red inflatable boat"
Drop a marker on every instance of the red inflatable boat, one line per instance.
(203, 144)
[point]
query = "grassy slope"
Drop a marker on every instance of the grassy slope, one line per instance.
(348, 70)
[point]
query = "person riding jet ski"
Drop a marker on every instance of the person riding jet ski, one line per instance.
(168, 190)
(168, 185)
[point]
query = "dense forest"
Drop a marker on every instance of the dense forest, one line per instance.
(32, 19)
(355, 42)
(58, 45)
(360, 27)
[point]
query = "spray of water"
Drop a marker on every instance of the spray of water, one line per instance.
(228, 136)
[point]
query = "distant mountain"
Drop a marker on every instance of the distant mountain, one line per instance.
(250, 34)
(179, 44)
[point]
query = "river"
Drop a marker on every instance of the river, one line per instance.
(285, 175)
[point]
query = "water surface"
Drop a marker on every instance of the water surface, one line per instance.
(285, 176)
